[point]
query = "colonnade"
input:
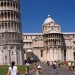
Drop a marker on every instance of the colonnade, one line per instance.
(10, 38)
(53, 40)
(53, 47)
(9, 15)
(9, 5)
(10, 27)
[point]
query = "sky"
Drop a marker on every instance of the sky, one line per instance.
(34, 13)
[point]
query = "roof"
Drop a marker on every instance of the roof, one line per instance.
(48, 20)
(32, 33)
(29, 50)
(68, 32)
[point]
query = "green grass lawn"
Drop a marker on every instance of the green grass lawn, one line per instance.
(22, 69)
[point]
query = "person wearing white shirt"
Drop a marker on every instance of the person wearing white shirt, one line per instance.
(12, 69)
(69, 65)
(73, 66)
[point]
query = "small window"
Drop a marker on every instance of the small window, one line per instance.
(73, 36)
(41, 53)
(74, 42)
(58, 28)
(26, 37)
(12, 53)
(1, 3)
(24, 52)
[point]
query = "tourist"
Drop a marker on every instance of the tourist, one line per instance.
(59, 64)
(27, 68)
(37, 64)
(38, 68)
(48, 64)
(51, 62)
(54, 66)
(12, 69)
(69, 65)
(73, 66)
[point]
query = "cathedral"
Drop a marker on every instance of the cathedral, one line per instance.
(49, 45)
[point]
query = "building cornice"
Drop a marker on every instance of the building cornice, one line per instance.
(68, 32)
(32, 33)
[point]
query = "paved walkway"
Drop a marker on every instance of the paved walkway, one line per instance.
(48, 71)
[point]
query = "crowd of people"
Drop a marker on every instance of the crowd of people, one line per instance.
(12, 70)
(54, 64)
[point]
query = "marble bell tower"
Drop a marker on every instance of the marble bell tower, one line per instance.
(10, 33)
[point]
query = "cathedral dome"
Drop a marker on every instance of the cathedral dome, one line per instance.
(48, 20)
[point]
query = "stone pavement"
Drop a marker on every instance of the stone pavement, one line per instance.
(48, 71)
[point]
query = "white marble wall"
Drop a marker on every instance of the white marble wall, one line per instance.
(69, 55)
(1, 58)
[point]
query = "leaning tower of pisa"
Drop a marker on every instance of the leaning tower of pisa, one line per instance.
(10, 32)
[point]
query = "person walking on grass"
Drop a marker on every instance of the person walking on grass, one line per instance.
(12, 69)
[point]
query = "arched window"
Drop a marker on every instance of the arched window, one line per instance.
(1, 4)
(5, 15)
(16, 6)
(8, 15)
(13, 4)
(41, 53)
(4, 3)
(7, 3)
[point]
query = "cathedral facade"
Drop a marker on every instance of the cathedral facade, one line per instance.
(51, 44)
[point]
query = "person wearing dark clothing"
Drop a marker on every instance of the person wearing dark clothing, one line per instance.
(59, 64)
(54, 66)
(48, 64)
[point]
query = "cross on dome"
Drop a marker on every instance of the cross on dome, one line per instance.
(49, 15)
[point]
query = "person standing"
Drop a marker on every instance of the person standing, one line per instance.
(38, 68)
(27, 68)
(12, 69)
(54, 66)
(69, 65)
(51, 62)
(48, 64)
(73, 66)
(59, 64)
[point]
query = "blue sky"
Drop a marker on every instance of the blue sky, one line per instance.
(34, 12)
